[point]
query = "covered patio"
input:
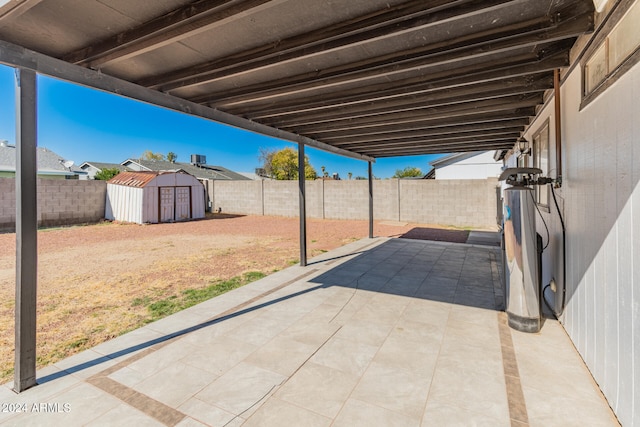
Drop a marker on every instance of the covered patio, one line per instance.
(380, 332)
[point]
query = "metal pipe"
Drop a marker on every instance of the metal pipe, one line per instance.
(303, 207)
(370, 201)
(558, 125)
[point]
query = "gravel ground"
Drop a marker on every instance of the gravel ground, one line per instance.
(92, 278)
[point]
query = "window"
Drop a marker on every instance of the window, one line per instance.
(541, 160)
(613, 54)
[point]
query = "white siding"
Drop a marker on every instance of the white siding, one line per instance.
(481, 166)
(124, 203)
(600, 198)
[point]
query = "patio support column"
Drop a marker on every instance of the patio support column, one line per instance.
(303, 206)
(370, 201)
(26, 230)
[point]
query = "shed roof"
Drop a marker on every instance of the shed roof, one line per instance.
(134, 179)
(365, 78)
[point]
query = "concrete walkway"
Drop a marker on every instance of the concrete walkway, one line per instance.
(382, 332)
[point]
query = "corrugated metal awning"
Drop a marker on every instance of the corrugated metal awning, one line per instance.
(366, 78)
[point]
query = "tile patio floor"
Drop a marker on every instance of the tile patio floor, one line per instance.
(381, 332)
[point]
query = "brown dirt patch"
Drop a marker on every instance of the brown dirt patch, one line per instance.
(90, 277)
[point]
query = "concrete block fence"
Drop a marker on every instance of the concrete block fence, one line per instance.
(60, 202)
(461, 203)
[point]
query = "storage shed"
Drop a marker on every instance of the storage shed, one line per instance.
(153, 197)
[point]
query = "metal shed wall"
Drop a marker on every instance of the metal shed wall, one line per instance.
(141, 205)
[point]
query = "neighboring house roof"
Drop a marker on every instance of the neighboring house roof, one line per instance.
(453, 158)
(431, 174)
(199, 171)
(101, 166)
(49, 163)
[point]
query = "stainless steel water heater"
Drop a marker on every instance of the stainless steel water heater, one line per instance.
(522, 287)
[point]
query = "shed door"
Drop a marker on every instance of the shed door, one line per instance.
(183, 203)
(167, 204)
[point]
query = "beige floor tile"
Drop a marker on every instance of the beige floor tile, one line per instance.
(474, 391)
(85, 404)
(241, 388)
(190, 422)
(361, 414)
(451, 416)
(281, 355)
(367, 332)
(399, 390)
(162, 357)
(261, 329)
(205, 413)
(345, 355)
(426, 311)
(175, 384)
(318, 388)
(222, 354)
(550, 409)
(125, 415)
(276, 413)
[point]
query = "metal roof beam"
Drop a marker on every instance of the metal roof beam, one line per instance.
(409, 141)
(417, 149)
(468, 148)
(17, 56)
(492, 105)
(191, 19)
(427, 131)
(497, 40)
(479, 92)
(376, 26)
(467, 117)
(510, 67)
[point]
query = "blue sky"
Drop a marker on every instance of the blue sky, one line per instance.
(82, 124)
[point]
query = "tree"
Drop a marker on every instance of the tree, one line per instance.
(149, 155)
(350, 175)
(408, 172)
(283, 164)
(106, 174)
(172, 157)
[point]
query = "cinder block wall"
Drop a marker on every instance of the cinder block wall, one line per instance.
(60, 202)
(237, 197)
(461, 203)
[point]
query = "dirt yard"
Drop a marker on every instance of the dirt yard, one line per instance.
(96, 282)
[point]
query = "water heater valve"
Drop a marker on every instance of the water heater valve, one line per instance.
(524, 177)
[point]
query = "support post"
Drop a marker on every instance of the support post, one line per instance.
(370, 201)
(26, 230)
(303, 206)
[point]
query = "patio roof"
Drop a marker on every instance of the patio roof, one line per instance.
(365, 78)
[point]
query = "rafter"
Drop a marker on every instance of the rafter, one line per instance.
(189, 20)
(496, 40)
(376, 26)
(459, 95)
(511, 67)
(492, 105)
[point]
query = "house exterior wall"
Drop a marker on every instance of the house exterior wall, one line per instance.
(463, 203)
(60, 202)
(600, 201)
(481, 166)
